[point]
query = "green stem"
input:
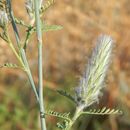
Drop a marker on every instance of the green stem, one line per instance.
(29, 73)
(40, 71)
(13, 48)
(75, 117)
(22, 52)
(23, 62)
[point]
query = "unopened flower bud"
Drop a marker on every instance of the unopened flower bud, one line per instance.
(30, 8)
(3, 18)
(29, 4)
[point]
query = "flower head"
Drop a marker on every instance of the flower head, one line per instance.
(29, 4)
(92, 82)
(3, 18)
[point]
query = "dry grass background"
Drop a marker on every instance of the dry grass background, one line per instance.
(66, 51)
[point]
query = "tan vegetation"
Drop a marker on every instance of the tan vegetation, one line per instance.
(66, 51)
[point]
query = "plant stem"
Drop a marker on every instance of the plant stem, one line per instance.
(40, 71)
(75, 117)
(21, 50)
(13, 49)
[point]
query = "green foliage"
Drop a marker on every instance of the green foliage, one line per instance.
(31, 29)
(14, 109)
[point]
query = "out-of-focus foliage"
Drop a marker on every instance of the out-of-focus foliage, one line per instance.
(65, 57)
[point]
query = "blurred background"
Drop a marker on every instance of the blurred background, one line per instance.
(65, 58)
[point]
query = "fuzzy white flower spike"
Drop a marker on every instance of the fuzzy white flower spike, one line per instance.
(92, 82)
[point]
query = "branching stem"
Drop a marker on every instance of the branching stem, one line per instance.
(21, 50)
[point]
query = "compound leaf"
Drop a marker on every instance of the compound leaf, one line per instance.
(9, 65)
(64, 116)
(103, 111)
(47, 28)
(46, 6)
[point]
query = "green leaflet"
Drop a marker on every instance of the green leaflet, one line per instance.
(65, 116)
(66, 94)
(103, 111)
(45, 28)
